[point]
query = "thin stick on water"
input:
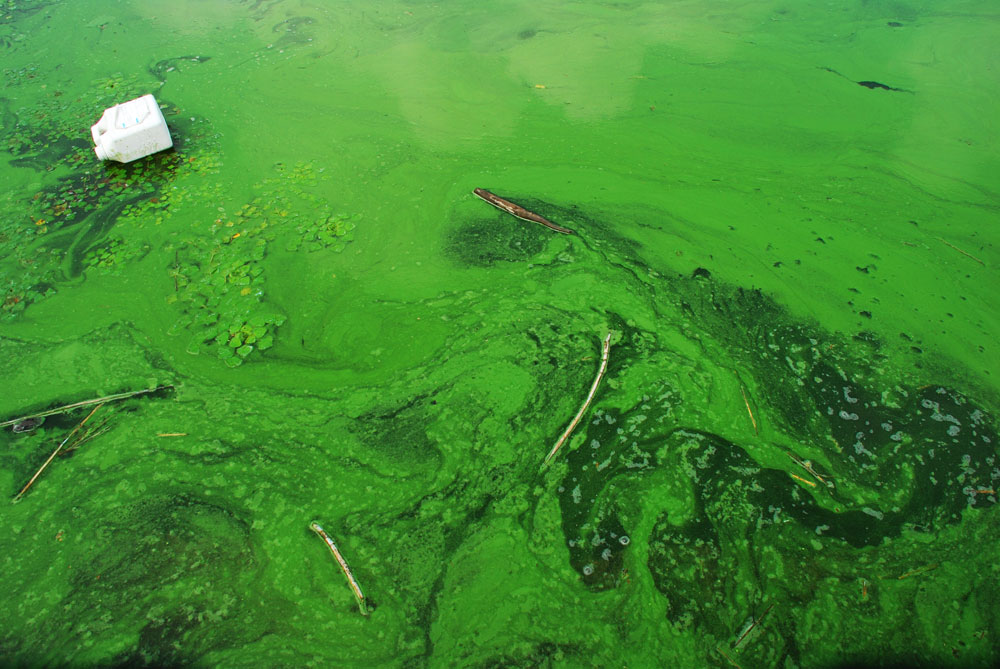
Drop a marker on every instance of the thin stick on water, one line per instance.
(967, 255)
(747, 403)
(731, 660)
(807, 465)
(586, 403)
(55, 453)
(355, 588)
(91, 433)
(754, 622)
(84, 403)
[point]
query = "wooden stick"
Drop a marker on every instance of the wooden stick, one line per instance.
(807, 465)
(55, 453)
(752, 625)
(518, 211)
(91, 433)
(918, 570)
(969, 255)
(586, 403)
(747, 402)
(77, 405)
(799, 478)
(731, 660)
(355, 588)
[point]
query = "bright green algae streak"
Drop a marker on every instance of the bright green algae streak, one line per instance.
(353, 338)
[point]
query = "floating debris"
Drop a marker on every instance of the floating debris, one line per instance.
(806, 481)
(917, 571)
(751, 624)
(518, 211)
(355, 588)
(59, 449)
(586, 403)
(85, 403)
(753, 420)
(808, 466)
(28, 424)
(967, 255)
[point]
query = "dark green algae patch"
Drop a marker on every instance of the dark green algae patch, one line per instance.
(670, 531)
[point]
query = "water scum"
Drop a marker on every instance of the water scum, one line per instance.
(825, 503)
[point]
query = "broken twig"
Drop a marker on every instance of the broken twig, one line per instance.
(799, 478)
(55, 453)
(85, 403)
(807, 465)
(967, 255)
(355, 588)
(918, 570)
(586, 403)
(91, 433)
(753, 623)
(753, 420)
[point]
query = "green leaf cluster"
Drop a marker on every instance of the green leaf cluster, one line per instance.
(111, 256)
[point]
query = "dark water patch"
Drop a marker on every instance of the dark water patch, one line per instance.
(161, 68)
(484, 242)
(293, 32)
(42, 158)
(398, 434)
(174, 543)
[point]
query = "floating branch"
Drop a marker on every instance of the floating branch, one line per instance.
(586, 403)
(77, 405)
(731, 660)
(807, 465)
(56, 452)
(799, 478)
(355, 588)
(918, 570)
(753, 623)
(968, 255)
(91, 433)
(753, 420)
(518, 211)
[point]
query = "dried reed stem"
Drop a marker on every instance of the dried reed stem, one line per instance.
(85, 403)
(355, 588)
(968, 255)
(747, 403)
(55, 453)
(586, 403)
(753, 624)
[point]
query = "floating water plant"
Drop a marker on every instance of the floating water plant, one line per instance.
(220, 288)
(219, 283)
(110, 257)
(331, 231)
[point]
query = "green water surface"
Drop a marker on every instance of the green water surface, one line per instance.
(785, 217)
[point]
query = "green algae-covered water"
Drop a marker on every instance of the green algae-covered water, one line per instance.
(785, 229)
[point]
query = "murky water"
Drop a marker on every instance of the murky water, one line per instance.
(784, 216)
